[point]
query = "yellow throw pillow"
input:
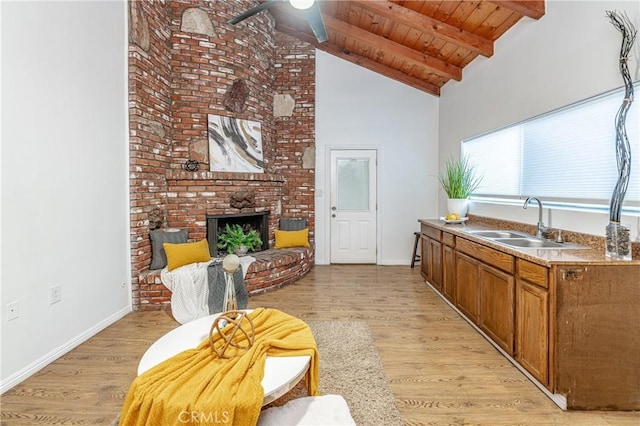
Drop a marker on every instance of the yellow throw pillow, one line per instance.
(184, 254)
(286, 239)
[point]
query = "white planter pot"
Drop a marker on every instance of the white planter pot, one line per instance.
(458, 205)
(241, 251)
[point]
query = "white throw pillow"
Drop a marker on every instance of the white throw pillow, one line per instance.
(323, 410)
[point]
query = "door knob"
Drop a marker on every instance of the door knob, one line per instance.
(333, 208)
(333, 215)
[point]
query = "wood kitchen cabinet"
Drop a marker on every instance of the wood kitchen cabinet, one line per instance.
(486, 294)
(435, 263)
(424, 257)
(485, 290)
(572, 327)
(438, 262)
(532, 319)
(497, 305)
(431, 257)
(468, 286)
(448, 273)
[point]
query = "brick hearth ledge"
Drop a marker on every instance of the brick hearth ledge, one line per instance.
(272, 269)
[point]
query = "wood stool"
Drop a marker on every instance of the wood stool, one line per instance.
(416, 256)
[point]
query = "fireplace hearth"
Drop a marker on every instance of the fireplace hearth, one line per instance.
(249, 221)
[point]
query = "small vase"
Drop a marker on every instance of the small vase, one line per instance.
(230, 302)
(459, 206)
(617, 242)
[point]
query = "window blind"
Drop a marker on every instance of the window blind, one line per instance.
(565, 155)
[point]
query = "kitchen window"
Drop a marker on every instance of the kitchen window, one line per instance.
(566, 156)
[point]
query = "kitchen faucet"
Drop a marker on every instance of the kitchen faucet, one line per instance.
(540, 228)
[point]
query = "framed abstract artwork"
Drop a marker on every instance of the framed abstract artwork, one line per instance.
(235, 145)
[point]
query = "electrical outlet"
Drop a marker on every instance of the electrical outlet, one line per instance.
(56, 294)
(12, 310)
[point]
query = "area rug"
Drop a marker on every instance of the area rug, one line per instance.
(350, 366)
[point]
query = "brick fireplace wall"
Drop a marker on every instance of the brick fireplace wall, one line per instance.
(295, 141)
(194, 195)
(149, 125)
(177, 75)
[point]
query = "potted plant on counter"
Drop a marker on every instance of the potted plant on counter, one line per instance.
(234, 240)
(459, 182)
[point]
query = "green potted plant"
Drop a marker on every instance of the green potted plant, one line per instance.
(459, 182)
(234, 240)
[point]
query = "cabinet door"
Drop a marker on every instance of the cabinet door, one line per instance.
(532, 339)
(435, 263)
(448, 273)
(424, 258)
(497, 304)
(467, 286)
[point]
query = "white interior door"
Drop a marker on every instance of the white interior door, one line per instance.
(353, 206)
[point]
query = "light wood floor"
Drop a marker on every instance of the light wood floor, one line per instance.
(440, 370)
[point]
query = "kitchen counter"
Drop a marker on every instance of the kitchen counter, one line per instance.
(566, 317)
(545, 257)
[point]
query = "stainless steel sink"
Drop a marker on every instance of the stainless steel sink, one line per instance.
(537, 243)
(521, 239)
(528, 243)
(499, 234)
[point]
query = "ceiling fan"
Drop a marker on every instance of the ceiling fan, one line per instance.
(310, 9)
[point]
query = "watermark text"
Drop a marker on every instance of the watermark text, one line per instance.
(202, 417)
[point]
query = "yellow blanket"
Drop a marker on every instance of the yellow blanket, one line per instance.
(196, 386)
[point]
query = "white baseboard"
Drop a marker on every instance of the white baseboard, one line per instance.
(47, 359)
(400, 262)
(559, 400)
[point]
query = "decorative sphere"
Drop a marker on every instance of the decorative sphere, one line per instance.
(230, 263)
(229, 345)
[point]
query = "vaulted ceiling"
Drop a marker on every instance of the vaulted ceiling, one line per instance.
(423, 44)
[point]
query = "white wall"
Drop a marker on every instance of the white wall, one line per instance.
(358, 109)
(568, 55)
(64, 177)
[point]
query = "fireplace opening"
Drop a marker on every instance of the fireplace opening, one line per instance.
(249, 221)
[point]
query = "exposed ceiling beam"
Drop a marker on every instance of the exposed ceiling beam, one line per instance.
(429, 25)
(362, 61)
(532, 9)
(443, 68)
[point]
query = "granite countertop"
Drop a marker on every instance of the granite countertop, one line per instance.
(547, 257)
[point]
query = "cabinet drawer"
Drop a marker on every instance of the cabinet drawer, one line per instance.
(431, 232)
(487, 255)
(534, 273)
(448, 239)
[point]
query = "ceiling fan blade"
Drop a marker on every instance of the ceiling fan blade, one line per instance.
(259, 8)
(313, 15)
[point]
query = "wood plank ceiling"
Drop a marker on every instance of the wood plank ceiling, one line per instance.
(423, 44)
